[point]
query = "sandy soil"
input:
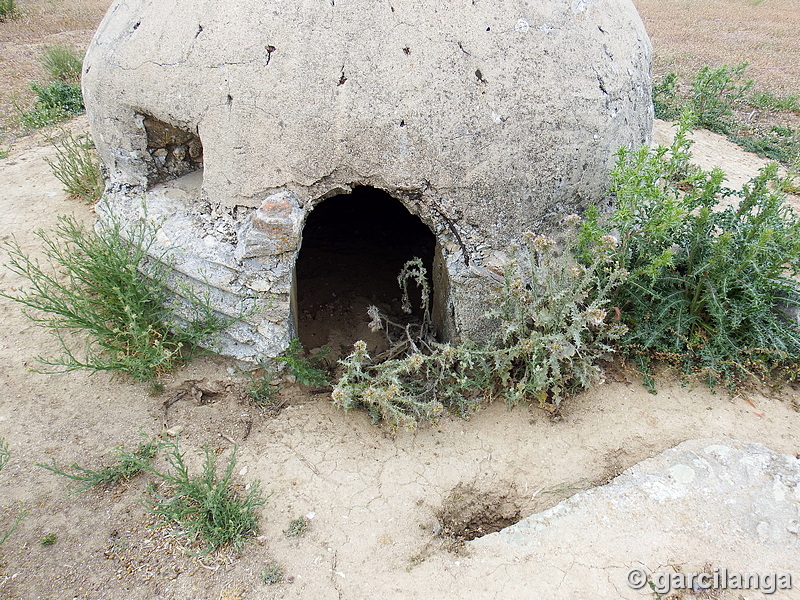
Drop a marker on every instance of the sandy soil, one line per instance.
(376, 499)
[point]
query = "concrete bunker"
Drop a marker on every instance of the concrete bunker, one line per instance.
(231, 129)
(354, 246)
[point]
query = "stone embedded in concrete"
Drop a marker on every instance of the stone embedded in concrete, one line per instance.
(485, 119)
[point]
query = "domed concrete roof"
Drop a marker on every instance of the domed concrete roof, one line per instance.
(485, 119)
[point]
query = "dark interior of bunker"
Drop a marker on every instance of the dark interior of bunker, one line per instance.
(354, 246)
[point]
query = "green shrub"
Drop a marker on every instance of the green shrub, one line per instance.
(8, 10)
(778, 143)
(665, 97)
(553, 329)
(310, 370)
(715, 92)
(207, 508)
(709, 286)
(76, 166)
(103, 283)
(55, 102)
(62, 63)
(127, 464)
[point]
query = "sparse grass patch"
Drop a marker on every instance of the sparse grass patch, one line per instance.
(105, 284)
(778, 143)
(48, 540)
(127, 464)
(208, 508)
(62, 63)
(272, 574)
(260, 389)
(5, 455)
(297, 527)
(76, 166)
(769, 101)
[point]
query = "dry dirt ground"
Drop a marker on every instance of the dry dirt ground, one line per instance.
(376, 499)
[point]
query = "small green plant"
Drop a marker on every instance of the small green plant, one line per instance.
(310, 370)
(715, 93)
(55, 102)
(709, 286)
(768, 101)
(76, 166)
(777, 143)
(272, 574)
(48, 540)
(260, 388)
(5, 455)
(62, 63)
(127, 464)
(297, 527)
(207, 508)
(109, 284)
(8, 10)
(665, 97)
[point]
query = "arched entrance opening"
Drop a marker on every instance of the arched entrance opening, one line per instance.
(354, 246)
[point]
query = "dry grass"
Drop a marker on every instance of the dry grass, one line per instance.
(688, 34)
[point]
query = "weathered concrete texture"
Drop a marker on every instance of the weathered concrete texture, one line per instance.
(703, 505)
(486, 119)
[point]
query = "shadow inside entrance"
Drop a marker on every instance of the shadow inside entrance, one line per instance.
(354, 246)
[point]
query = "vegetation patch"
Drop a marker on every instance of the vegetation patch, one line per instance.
(62, 63)
(8, 10)
(76, 166)
(55, 102)
(311, 370)
(712, 288)
(207, 508)
(262, 390)
(127, 464)
(723, 101)
(553, 328)
(105, 283)
(5, 455)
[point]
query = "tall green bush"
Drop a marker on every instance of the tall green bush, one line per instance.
(711, 285)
